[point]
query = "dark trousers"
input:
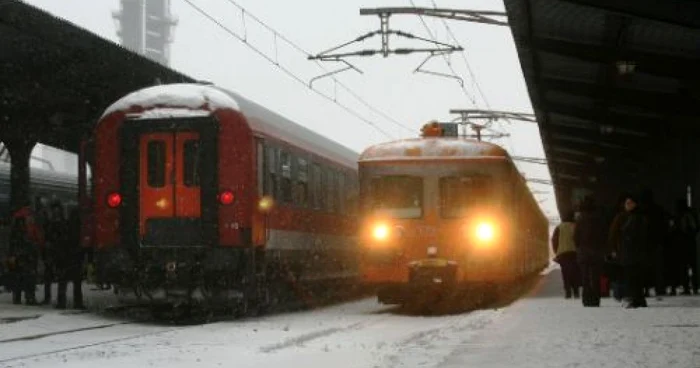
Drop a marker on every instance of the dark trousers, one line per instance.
(72, 274)
(570, 273)
(635, 284)
(48, 279)
(590, 280)
(659, 272)
(691, 262)
(23, 280)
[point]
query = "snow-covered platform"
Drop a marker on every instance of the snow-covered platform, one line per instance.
(540, 330)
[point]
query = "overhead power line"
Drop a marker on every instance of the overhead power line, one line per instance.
(275, 62)
(464, 58)
(445, 58)
(320, 65)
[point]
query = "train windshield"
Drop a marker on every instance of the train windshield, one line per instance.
(398, 196)
(460, 194)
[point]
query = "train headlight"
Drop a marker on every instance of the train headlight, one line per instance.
(485, 231)
(380, 232)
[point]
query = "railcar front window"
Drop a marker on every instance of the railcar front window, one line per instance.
(398, 196)
(191, 173)
(156, 164)
(459, 195)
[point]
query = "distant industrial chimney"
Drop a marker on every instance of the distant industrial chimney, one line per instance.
(146, 27)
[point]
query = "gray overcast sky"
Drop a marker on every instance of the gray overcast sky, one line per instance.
(201, 49)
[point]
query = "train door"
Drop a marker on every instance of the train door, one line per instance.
(176, 192)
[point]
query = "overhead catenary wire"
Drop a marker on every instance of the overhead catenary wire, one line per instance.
(291, 74)
(469, 96)
(320, 65)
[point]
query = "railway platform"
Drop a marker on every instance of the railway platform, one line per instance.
(541, 329)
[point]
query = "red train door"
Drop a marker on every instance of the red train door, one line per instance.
(169, 188)
(170, 182)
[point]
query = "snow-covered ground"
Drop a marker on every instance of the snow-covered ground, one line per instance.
(540, 330)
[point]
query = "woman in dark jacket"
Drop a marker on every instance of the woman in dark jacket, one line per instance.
(634, 252)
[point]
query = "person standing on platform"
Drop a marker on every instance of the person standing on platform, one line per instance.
(565, 255)
(591, 248)
(25, 240)
(635, 252)
(69, 263)
(55, 237)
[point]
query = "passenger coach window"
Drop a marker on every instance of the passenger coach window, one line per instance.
(271, 187)
(461, 194)
(302, 183)
(318, 187)
(191, 169)
(398, 196)
(156, 164)
(286, 185)
(331, 190)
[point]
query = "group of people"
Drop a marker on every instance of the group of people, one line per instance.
(638, 248)
(45, 236)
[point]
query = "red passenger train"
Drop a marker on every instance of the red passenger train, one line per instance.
(442, 213)
(201, 194)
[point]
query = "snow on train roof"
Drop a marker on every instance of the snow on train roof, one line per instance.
(186, 100)
(437, 147)
(180, 96)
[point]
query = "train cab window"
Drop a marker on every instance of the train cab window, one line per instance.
(286, 180)
(460, 194)
(191, 163)
(301, 188)
(156, 164)
(398, 196)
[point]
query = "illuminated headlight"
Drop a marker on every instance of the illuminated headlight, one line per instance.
(432, 251)
(380, 232)
(485, 232)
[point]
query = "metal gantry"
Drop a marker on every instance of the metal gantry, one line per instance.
(482, 119)
(435, 48)
(475, 16)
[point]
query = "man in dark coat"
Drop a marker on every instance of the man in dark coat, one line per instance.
(69, 263)
(55, 237)
(590, 237)
(635, 251)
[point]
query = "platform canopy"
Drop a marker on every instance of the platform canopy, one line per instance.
(615, 85)
(57, 78)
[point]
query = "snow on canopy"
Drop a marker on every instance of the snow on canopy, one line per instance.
(179, 96)
(417, 148)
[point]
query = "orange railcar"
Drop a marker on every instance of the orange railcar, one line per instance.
(451, 202)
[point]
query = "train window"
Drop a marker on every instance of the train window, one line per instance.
(301, 192)
(331, 189)
(317, 187)
(459, 195)
(156, 164)
(342, 194)
(286, 180)
(260, 162)
(398, 196)
(191, 163)
(272, 182)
